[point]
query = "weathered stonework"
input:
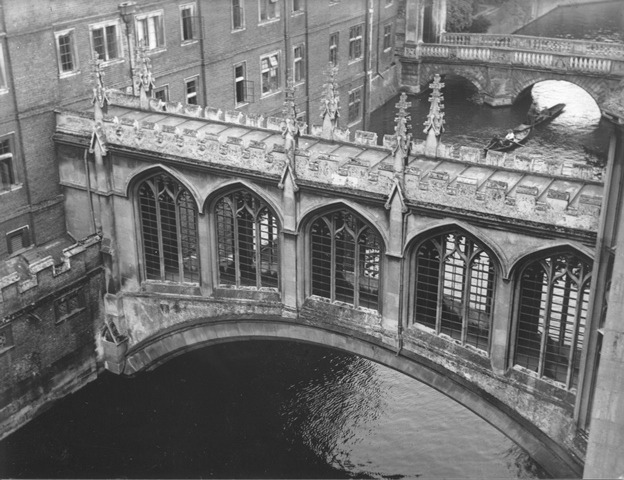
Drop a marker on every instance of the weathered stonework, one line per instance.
(343, 165)
(513, 205)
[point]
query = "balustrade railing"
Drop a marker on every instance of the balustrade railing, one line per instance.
(500, 49)
(538, 44)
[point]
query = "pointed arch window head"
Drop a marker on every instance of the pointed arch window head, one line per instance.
(346, 260)
(169, 230)
(552, 310)
(248, 241)
(454, 285)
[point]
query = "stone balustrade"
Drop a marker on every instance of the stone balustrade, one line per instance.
(506, 184)
(536, 44)
(560, 62)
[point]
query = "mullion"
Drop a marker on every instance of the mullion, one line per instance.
(546, 319)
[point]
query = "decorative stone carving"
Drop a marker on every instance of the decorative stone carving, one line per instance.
(434, 125)
(330, 103)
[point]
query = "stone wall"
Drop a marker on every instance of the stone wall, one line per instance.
(49, 317)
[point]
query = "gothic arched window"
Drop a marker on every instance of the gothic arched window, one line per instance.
(454, 286)
(169, 230)
(248, 242)
(346, 260)
(552, 309)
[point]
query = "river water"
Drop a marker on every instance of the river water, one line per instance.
(262, 409)
(579, 134)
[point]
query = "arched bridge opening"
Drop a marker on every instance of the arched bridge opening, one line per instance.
(175, 341)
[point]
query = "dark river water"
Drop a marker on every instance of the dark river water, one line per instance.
(262, 409)
(601, 22)
(579, 134)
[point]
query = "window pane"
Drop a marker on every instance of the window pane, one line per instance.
(345, 264)
(187, 24)
(98, 42)
(427, 281)
(552, 314)
(188, 237)
(346, 259)
(226, 246)
(480, 301)
(149, 226)
(321, 259)
(370, 256)
(169, 230)
(237, 15)
(111, 41)
(247, 240)
(65, 51)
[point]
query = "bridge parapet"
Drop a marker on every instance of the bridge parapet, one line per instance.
(552, 60)
(536, 44)
(513, 186)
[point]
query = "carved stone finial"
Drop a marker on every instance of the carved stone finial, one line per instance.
(100, 99)
(290, 125)
(330, 103)
(144, 79)
(290, 131)
(402, 134)
(434, 125)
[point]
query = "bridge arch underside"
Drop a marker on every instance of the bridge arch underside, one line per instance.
(170, 343)
(502, 85)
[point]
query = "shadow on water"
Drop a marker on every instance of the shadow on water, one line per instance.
(579, 134)
(261, 410)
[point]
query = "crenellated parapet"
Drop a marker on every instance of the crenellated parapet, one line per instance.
(508, 185)
(36, 273)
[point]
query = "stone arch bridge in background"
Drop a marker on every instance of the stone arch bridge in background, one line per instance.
(503, 66)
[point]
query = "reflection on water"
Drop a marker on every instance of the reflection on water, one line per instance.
(578, 134)
(262, 410)
(600, 22)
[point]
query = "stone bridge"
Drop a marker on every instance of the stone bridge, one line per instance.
(466, 271)
(502, 66)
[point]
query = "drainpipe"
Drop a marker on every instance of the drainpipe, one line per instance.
(378, 35)
(368, 67)
(202, 53)
(307, 64)
(287, 58)
(127, 11)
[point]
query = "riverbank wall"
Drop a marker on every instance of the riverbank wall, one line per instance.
(515, 14)
(49, 317)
